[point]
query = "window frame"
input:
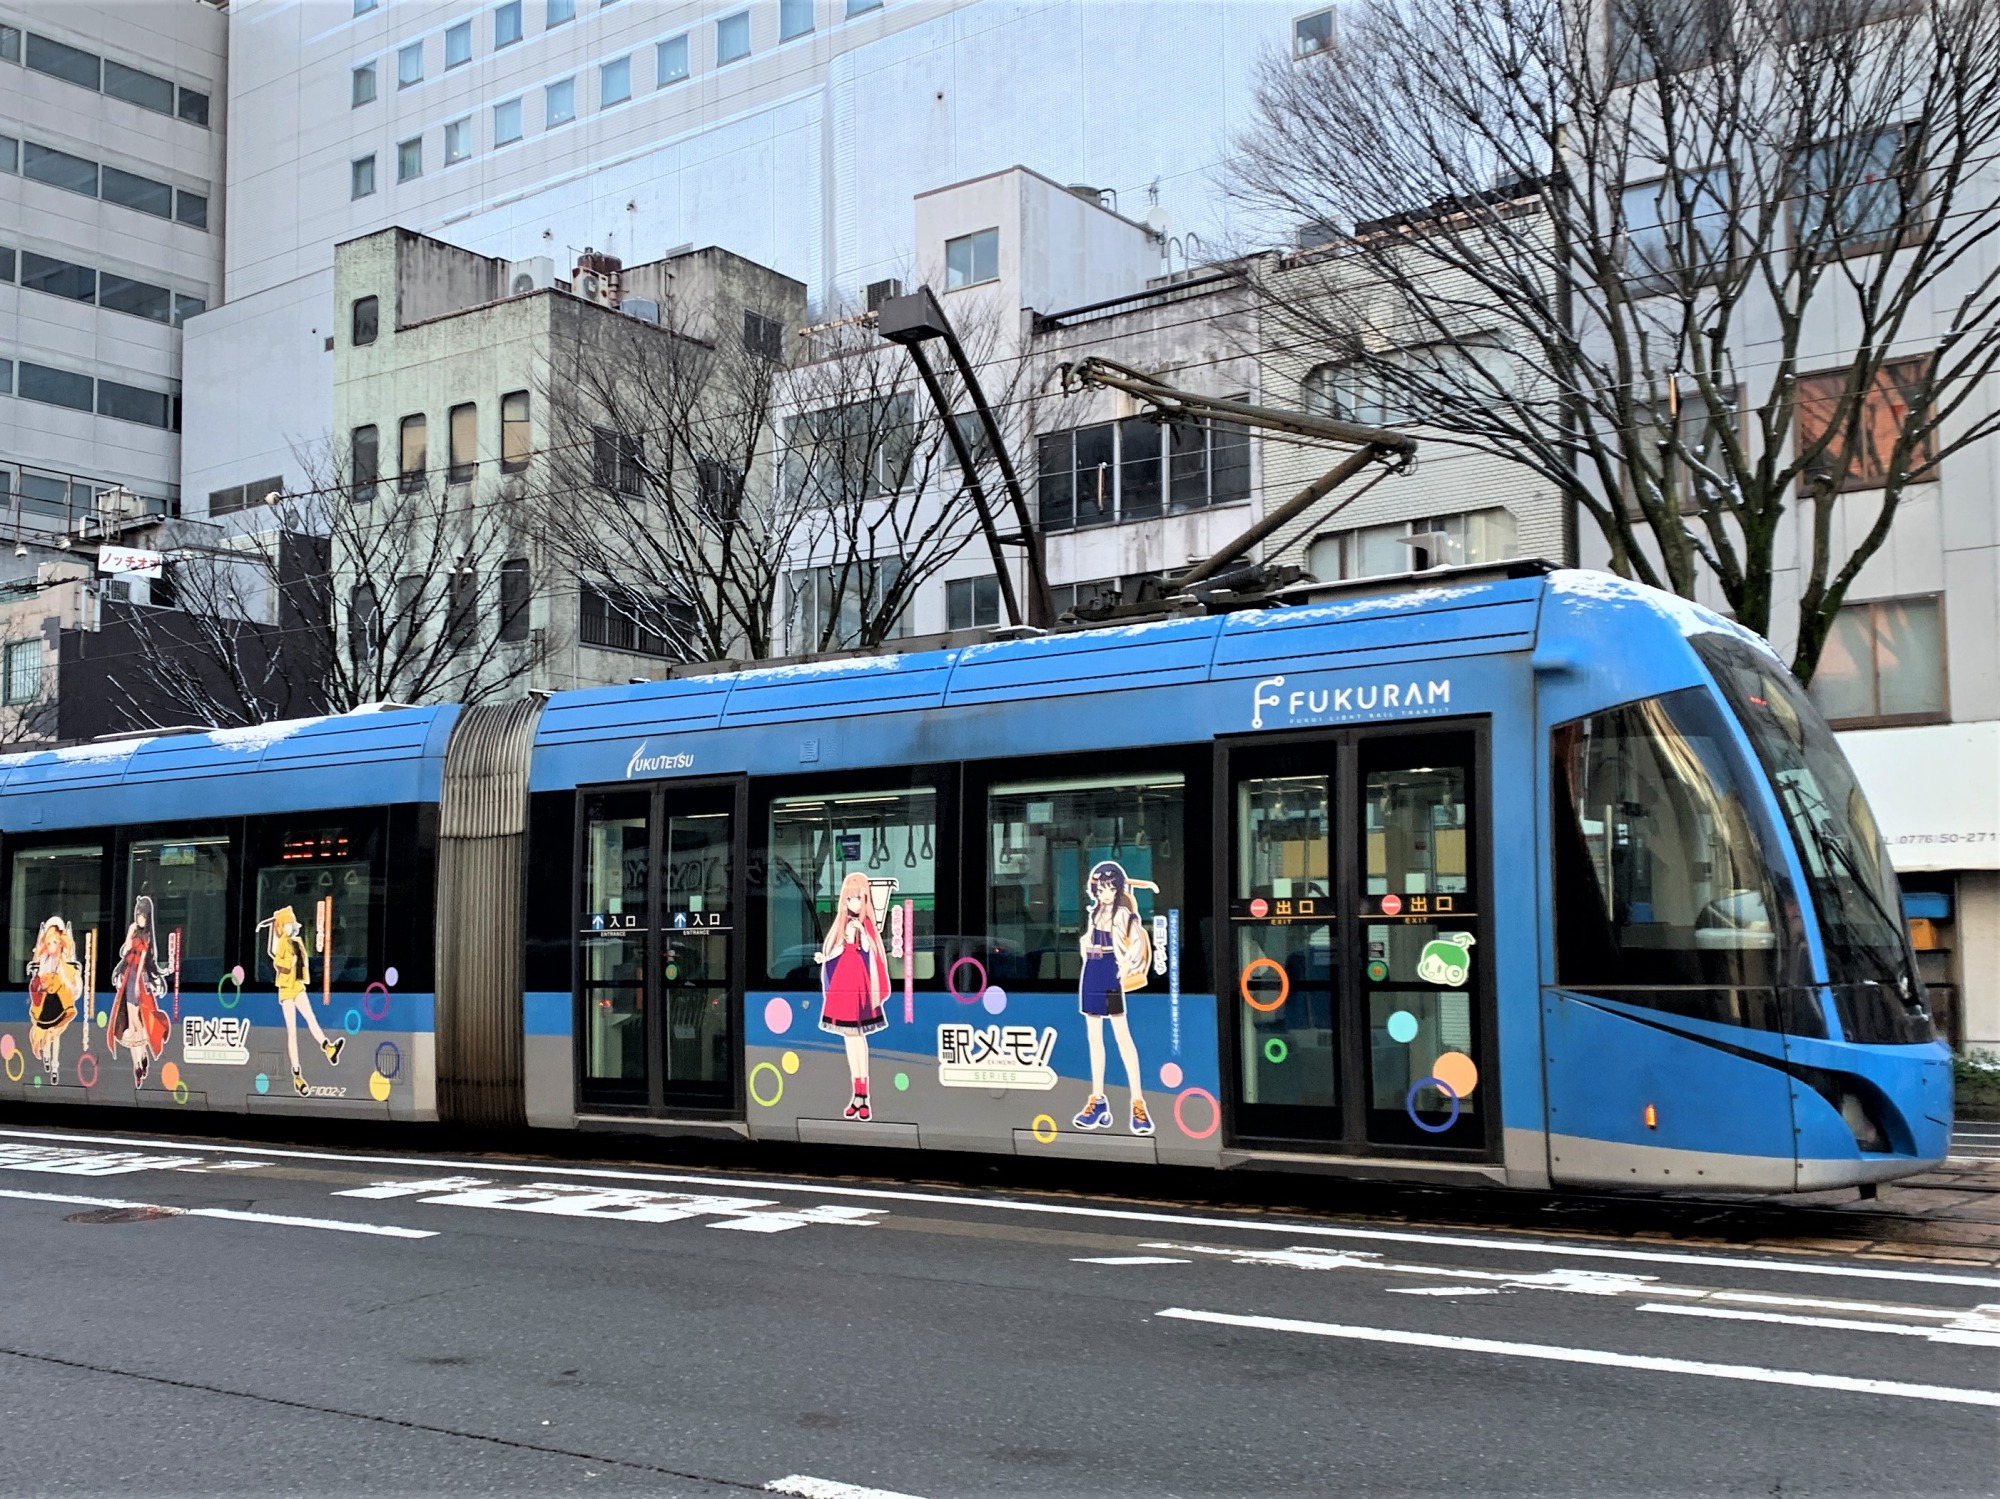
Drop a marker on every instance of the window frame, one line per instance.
(459, 32)
(508, 7)
(972, 242)
(361, 170)
(722, 58)
(661, 77)
(18, 650)
(1877, 719)
(463, 128)
(518, 122)
(1912, 228)
(363, 489)
(409, 159)
(404, 54)
(412, 480)
(550, 120)
(605, 99)
(510, 426)
(1300, 50)
(788, 13)
(1923, 465)
(363, 74)
(462, 420)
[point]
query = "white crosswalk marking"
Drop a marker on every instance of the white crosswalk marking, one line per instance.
(803, 1487)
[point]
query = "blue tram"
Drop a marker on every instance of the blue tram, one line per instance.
(1507, 875)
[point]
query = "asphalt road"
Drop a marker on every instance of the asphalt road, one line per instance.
(367, 1323)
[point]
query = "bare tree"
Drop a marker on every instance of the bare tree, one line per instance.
(356, 590)
(1717, 269)
(695, 486)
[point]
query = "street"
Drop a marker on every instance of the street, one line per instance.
(204, 1316)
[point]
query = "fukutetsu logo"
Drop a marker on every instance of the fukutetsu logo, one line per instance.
(1309, 703)
(642, 764)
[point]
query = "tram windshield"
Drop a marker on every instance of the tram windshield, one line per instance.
(1847, 866)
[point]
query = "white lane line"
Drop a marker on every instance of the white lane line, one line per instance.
(232, 1215)
(1096, 1214)
(1827, 1304)
(1601, 1358)
(803, 1487)
(1968, 1336)
(1127, 1259)
(1442, 1290)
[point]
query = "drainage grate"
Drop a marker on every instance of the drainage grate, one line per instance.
(122, 1215)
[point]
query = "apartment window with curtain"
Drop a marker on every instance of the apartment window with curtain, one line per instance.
(614, 82)
(458, 45)
(364, 463)
(363, 86)
(506, 24)
(410, 159)
(558, 12)
(516, 445)
(457, 141)
(464, 438)
(413, 454)
(672, 59)
(1883, 664)
(410, 65)
(365, 321)
(516, 594)
(795, 18)
(361, 178)
(559, 101)
(732, 37)
(506, 122)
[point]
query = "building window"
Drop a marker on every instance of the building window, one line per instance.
(795, 18)
(1887, 407)
(364, 624)
(464, 438)
(1137, 469)
(133, 403)
(1649, 39)
(971, 259)
(614, 82)
(1883, 663)
(458, 45)
(843, 455)
(506, 24)
(862, 7)
(59, 278)
(410, 65)
(364, 449)
(732, 37)
(457, 141)
(10, 44)
(38, 382)
(506, 122)
(1685, 467)
(516, 594)
(763, 336)
(361, 177)
(121, 294)
(617, 460)
(59, 169)
(190, 209)
(614, 619)
(24, 672)
(193, 107)
(362, 7)
(147, 90)
(1475, 370)
(1857, 196)
(413, 454)
(1313, 33)
(970, 603)
(129, 190)
(558, 12)
(362, 85)
(831, 608)
(410, 159)
(672, 57)
(186, 307)
(515, 442)
(559, 101)
(1662, 244)
(71, 64)
(1477, 536)
(366, 321)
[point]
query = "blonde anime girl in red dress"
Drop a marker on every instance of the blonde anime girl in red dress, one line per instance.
(854, 983)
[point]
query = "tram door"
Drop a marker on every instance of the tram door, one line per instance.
(1355, 932)
(659, 957)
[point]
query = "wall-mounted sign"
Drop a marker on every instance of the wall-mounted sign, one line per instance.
(133, 560)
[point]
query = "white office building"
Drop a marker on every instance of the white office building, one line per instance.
(795, 133)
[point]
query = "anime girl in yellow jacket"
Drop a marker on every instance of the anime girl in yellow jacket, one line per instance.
(291, 961)
(55, 982)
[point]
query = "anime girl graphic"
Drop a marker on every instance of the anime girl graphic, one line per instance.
(55, 982)
(854, 982)
(137, 981)
(291, 961)
(1116, 953)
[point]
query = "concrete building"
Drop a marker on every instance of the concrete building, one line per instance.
(112, 116)
(794, 133)
(444, 367)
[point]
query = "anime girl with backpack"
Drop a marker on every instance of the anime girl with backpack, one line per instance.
(1116, 954)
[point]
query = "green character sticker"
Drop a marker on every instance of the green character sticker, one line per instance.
(1446, 959)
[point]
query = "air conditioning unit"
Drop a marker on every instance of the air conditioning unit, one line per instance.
(538, 273)
(118, 508)
(881, 291)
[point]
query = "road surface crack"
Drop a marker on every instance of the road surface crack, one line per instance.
(380, 1420)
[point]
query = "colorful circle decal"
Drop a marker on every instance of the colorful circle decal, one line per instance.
(902, 1082)
(1402, 1025)
(790, 1062)
(388, 1060)
(951, 981)
(263, 1082)
(1214, 1113)
(17, 1066)
(777, 1084)
(227, 1001)
(236, 976)
(180, 1092)
(87, 1060)
(1275, 1050)
(1170, 1074)
(389, 977)
(378, 1087)
(995, 999)
(352, 1023)
(6, 1047)
(38, 1079)
(1456, 1071)
(1410, 1105)
(368, 1001)
(777, 1017)
(1045, 1129)
(1284, 984)
(104, 1017)
(1378, 971)
(170, 1076)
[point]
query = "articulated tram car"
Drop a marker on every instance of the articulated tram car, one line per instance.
(1515, 876)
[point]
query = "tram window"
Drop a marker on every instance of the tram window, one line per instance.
(65, 882)
(615, 862)
(1044, 840)
(1282, 822)
(817, 843)
(183, 883)
(329, 877)
(1659, 876)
